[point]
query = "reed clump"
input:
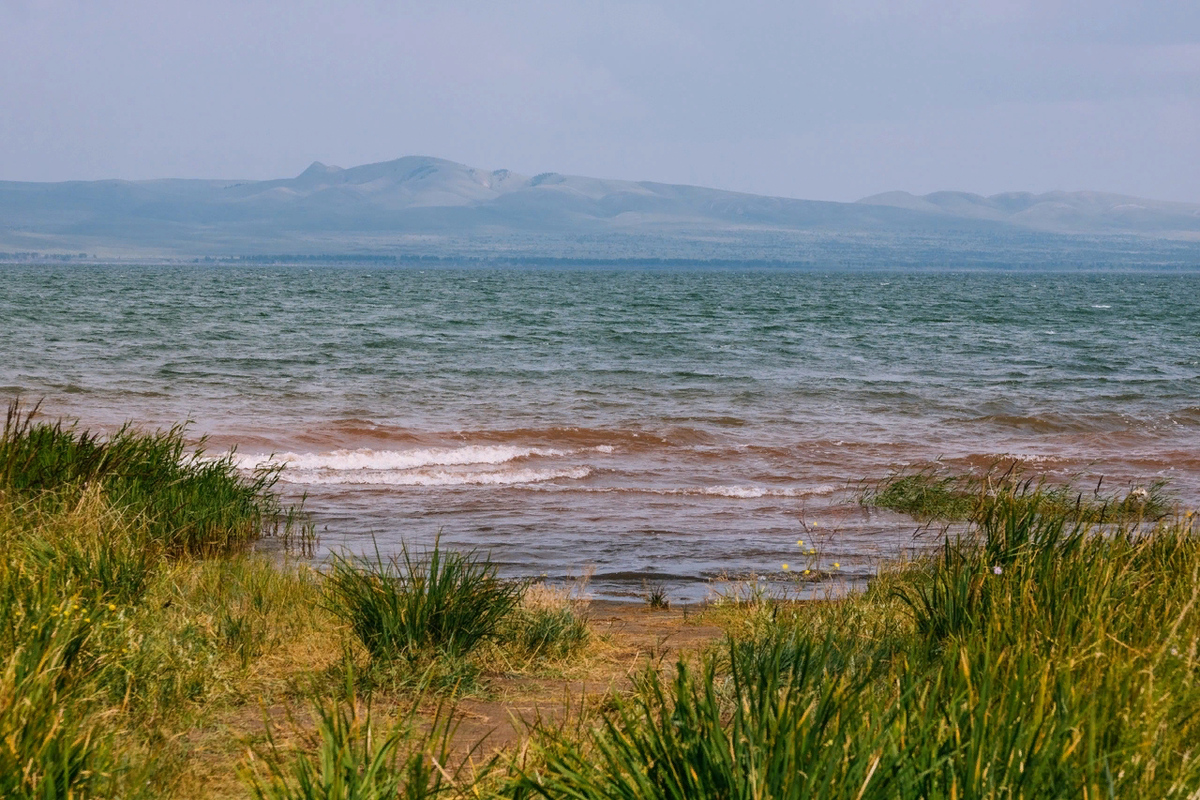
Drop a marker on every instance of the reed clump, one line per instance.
(929, 495)
(440, 602)
(183, 503)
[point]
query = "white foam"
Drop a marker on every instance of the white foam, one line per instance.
(1101, 306)
(744, 492)
(752, 492)
(432, 477)
(733, 492)
(366, 459)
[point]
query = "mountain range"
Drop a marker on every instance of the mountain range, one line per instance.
(422, 207)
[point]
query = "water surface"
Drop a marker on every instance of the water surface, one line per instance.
(665, 426)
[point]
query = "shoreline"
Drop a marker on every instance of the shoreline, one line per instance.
(166, 658)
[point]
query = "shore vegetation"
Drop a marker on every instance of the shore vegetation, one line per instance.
(932, 495)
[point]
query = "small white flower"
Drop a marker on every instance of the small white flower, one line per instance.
(997, 570)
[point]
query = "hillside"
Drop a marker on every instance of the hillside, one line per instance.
(421, 206)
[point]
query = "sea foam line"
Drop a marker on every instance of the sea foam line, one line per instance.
(732, 492)
(391, 460)
(506, 477)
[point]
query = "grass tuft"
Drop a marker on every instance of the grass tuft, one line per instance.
(656, 597)
(439, 602)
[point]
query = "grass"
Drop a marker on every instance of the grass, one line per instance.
(551, 621)
(929, 495)
(351, 758)
(656, 597)
(184, 503)
(1049, 648)
(101, 642)
(440, 602)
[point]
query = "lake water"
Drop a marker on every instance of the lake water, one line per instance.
(657, 426)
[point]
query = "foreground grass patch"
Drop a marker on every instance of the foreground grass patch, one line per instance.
(182, 502)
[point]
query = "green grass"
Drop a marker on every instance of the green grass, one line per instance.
(407, 606)
(100, 644)
(355, 759)
(184, 503)
(548, 632)
(927, 495)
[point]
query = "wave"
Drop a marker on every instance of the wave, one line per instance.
(359, 433)
(507, 477)
(753, 492)
(365, 459)
(1094, 422)
(735, 492)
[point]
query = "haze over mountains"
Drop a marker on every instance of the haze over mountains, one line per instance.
(428, 207)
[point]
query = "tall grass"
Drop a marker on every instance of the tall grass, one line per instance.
(440, 601)
(47, 747)
(773, 728)
(185, 503)
(352, 760)
(100, 642)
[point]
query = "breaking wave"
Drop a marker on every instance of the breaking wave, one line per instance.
(391, 460)
(435, 477)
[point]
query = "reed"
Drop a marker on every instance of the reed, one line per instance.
(185, 503)
(415, 604)
(929, 495)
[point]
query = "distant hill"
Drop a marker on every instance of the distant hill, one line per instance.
(420, 206)
(1061, 212)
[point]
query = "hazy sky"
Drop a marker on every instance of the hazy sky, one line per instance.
(823, 99)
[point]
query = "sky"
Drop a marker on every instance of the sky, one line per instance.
(818, 99)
